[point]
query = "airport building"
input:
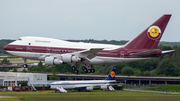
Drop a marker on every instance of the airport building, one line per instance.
(12, 79)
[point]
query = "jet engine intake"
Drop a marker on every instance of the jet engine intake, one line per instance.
(104, 87)
(89, 88)
(52, 61)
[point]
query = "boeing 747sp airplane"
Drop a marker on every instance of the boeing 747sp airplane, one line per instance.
(54, 51)
(86, 84)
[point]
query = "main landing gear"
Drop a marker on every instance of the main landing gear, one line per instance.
(88, 70)
(75, 69)
(84, 68)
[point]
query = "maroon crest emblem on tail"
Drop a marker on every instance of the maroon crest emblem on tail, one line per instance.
(154, 32)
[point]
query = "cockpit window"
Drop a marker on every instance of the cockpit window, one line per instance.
(20, 39)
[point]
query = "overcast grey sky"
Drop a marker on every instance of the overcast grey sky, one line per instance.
(86, 19)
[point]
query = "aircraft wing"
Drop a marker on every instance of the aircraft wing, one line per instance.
(89, 53)
(86, 55)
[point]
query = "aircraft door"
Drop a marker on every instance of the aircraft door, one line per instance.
(121, 54)
(48, 50)
(28, 49)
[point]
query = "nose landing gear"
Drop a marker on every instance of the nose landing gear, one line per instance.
(25, 65)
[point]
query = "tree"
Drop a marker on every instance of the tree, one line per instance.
(14, 69)
(147, 73)
(69, 78)
(127, 71)
(23, 83)
(40, 64)
(137, 72)
(167, 48)
(24, 70)
(5, 70)
(54, 76)
(136, 64)
(168, 68)
(120, 67)
(5, 61)
(48, 69)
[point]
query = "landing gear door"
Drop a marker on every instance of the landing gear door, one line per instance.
(121, 54)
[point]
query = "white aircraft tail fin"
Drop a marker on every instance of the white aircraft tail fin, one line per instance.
(61, 89)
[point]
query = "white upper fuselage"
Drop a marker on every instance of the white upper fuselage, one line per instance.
(50, 42)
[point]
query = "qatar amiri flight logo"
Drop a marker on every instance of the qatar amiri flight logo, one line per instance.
(154, 31)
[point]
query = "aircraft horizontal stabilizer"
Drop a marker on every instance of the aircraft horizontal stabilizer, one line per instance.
(167, 51)
(145, 53)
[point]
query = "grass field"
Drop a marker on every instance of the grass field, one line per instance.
(88, 96)
(18, 59)
(13, 59)
(165, 88)
(172, 88)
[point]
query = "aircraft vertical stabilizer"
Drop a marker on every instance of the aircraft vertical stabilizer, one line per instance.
(150, 37)
(112, 74)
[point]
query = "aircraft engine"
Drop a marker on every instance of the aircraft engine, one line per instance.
(70, 58)
(104, 87)
(89, 88)
(52, 61)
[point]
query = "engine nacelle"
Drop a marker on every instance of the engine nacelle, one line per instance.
(52, 61)
(70, 58)
(104, 87)
(89, 88)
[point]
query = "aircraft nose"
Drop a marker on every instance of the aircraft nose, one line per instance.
(6, 47)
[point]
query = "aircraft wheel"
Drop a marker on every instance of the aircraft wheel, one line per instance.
(83, 67)
(73, 67)
(25, 65)
(85, 70)
(89, 70)
(92, 70)
(76, 71)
